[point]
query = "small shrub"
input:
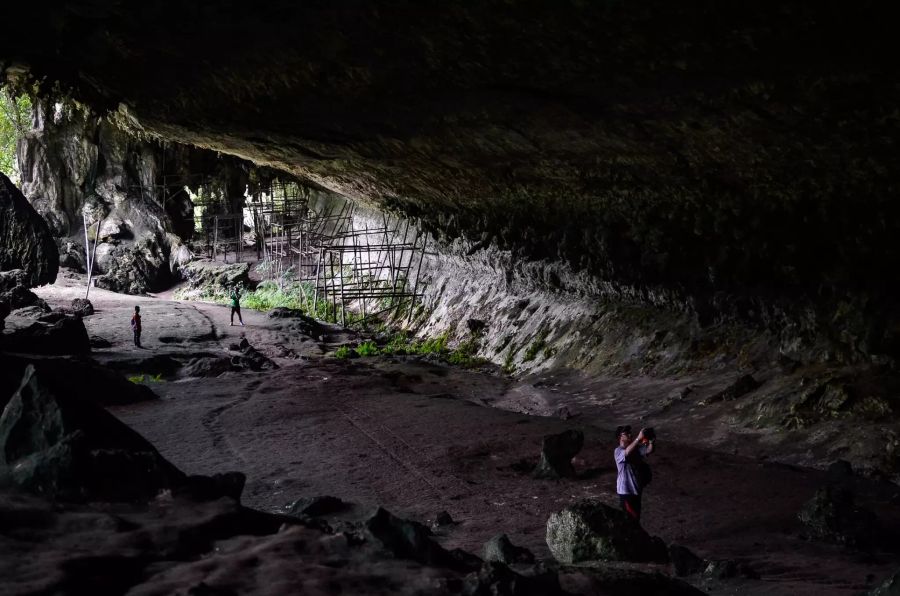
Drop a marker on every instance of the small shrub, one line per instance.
(140, 379)
(367, 348)
(343, 352)
(536, 346)
(508, 366)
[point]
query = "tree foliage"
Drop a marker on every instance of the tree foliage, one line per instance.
(15, 121)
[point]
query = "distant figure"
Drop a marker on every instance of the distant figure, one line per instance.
(236, 305)
(136, 325)
(633, 471)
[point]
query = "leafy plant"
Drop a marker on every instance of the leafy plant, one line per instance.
(343, 352)
(537, 345)
(367, 348)
(141, 379)
(508, 366)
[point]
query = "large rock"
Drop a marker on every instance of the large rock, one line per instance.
(66, 336)
(82, 307)
(592, 531)
(557, 452)
(55, 444)
(209, 277)
(89, 380)
(408, 539)
(26, 240)
(833, 516)
(501, 550)
(12, 278)
(21, 297)
(137, 268)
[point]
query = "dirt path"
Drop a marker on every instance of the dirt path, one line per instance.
(415, 437)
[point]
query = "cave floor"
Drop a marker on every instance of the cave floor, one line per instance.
(419, 437)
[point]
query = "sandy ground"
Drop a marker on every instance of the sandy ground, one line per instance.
(419, 437)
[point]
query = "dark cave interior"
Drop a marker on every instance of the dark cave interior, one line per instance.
(493, 226)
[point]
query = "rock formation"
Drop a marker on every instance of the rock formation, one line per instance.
(74, 161)
(557, 452)
(592, 531)
(27, 243)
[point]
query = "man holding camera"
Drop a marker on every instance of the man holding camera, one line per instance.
(633, 471)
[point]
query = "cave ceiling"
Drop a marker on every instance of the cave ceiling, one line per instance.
(693, 144)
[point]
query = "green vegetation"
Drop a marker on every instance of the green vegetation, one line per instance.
(367, 348)
(537, 345)
(508, 366)
(140, 379)
(269, 295)
(15, 121)
(402, 344)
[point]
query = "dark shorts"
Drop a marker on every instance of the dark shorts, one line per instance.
(236, 309)
(631, 504)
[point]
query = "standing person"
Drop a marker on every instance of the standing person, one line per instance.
(236, 305)
(633, 471)
(136, 325)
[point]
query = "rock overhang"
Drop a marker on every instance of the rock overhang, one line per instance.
(696, 146)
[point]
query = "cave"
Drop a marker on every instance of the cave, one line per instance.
(360, 297)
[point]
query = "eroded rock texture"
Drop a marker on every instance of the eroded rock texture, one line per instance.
(27, 243)
(75, 161)
(731, 161)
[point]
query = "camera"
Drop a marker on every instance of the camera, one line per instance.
(649, 434)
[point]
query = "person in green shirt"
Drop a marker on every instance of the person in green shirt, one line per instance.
(236, 305)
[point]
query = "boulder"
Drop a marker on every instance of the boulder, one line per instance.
(684, 562)
(408, 539)
(137, 268)
(442, 519)
(66, 336)
(12, 278)
(500, 550)
(301, 322)
(22, 297)
(82, 307)
(557, 452)
(316, 506)
(56, 444)
(251, 359)
(207, 277)
(4, 311)
(84, 374)
(71, 255)
(27, 242)
(592, 531)
(832, 516)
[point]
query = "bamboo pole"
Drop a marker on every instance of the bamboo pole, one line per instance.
(412, 301)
